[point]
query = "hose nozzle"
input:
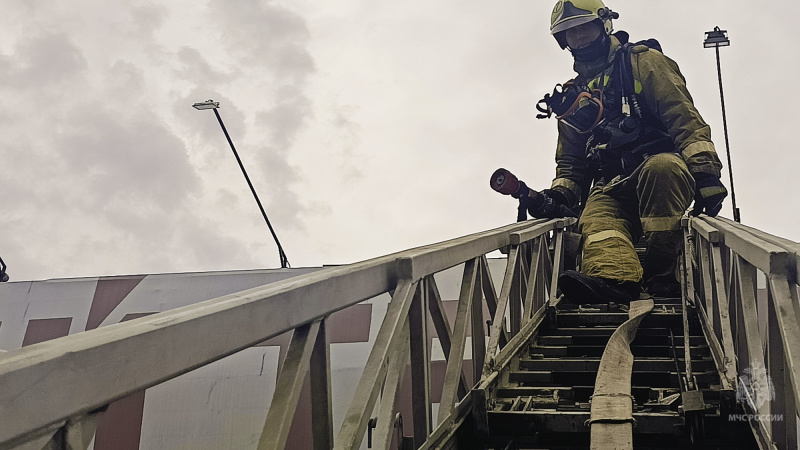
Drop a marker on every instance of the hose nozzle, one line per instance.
(504, 182)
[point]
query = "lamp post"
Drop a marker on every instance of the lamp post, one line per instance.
(719, 38)
(210, 104)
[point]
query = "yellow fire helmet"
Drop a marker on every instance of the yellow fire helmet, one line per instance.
(571, 13)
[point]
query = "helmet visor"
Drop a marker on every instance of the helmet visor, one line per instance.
(571, 23)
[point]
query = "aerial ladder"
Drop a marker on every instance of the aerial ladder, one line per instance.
(714, 368)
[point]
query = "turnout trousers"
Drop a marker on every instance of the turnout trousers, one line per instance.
(648, 204)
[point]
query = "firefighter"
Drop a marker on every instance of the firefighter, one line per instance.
(632, 150)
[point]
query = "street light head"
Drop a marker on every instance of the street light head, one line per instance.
(716, 38)
(208, 104)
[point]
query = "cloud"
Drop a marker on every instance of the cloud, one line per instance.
(137, 160)
(41, 61)
(347, 136)
(198, 70)
(266, 34)
(146, 19)
(286, 117)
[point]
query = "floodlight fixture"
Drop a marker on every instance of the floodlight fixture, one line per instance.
(211, 104)
(208, 104)
(716, 39)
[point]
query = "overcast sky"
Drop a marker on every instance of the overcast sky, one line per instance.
(367, 126)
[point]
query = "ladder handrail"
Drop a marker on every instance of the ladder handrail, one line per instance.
(725, 260)
(53, 386)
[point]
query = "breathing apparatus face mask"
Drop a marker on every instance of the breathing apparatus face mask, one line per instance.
(597, 49)
(580, 109)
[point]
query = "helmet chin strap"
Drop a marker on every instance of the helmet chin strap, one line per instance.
(598, 48)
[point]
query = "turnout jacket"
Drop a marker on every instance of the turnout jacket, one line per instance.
(666, 104)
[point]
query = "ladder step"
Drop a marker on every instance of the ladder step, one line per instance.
(592, 364)
(597, 350)
(565, 429)
(526, 423)
(573, 319)
(608, 330)
(602, 339)
(665, 379)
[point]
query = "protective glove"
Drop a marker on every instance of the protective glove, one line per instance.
(529, 201)
(708, 195)
(546, 204)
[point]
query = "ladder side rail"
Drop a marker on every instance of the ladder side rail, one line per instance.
(773, 401)
(779, 262)
(121, 359)
(438, 257)
(792, 247)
